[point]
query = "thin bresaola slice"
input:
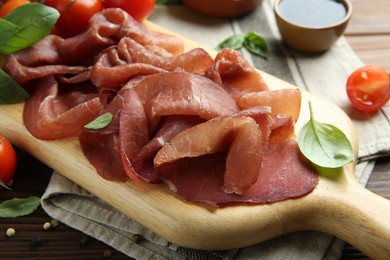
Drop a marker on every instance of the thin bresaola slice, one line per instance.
(166, 94)
(239, 134)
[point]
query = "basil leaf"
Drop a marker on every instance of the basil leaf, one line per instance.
(234, 42)
(100, 122)
(256, 44)
(19, 207)
(10, 91)
(34, 22)
(324, 145)
(7, 30)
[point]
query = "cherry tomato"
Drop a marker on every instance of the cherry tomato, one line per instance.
(368, 88)
(7, 160)
(74, 14)
(138, 9)
(11, 5)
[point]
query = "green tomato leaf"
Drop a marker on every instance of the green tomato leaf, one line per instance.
(256, 44)
(100, 122)
(324, 145)
(234, 42)
(19, 207)
(34, 21)
(10, 91)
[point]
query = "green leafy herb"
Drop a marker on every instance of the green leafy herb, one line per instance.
(2, 184)
(33, 22)
(160, 2)
(234, 42)
(100, 122)
(324, 145)
(7, 30)
(19, 207)
(10, 91)
(252, 41)
(256, 44)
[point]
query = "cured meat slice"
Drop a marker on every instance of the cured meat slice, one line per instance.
(22, 74)
(106, 28)
(282, 129)
(49, 116)
(143, 161)
(102, 151)
(235, 74)
(181, 93)
(116, 65)
(166, 94)
(284, 175)
(239, 134)
(133, 132)
(194, 61)
(283, 101)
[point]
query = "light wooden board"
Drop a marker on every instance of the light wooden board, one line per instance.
(338, 205)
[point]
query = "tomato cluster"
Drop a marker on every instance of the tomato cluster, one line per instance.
(75, 14)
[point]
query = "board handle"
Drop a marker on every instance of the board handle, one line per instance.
(359, 217)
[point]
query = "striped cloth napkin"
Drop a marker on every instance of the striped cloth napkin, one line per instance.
(323, 74)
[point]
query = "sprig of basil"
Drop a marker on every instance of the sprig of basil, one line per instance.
(20, 29)
(10, 91)
(252, 41)
(19, 207)
(324, 145)
(100, 122)
(30, 23)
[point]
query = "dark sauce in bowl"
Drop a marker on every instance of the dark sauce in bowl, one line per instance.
(313, 13)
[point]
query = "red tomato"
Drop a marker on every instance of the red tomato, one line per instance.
(368, 88)
(74, 14)
(138, 9)
(7, 160)
(11, 5)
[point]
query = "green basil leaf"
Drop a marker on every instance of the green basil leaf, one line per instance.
(10, 91)
(19, 207)
(7, 30)
(234, 42)
(34, 22)
(160, 2)
(324, 145)
(256, 44)
(100, 122)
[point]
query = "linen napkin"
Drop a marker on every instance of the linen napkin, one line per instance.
(323, 74)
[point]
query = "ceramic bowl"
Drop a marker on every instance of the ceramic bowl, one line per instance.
(223, 8)
(311, 39)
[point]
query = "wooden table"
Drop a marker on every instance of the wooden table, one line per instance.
(369, 35)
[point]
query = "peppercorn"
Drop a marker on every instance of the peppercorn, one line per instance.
(84, 241)
(107, 253)
(36, 241)
(46, 225)
(10, 232)
(54, 223)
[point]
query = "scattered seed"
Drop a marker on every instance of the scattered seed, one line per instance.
(107, 253)
(36, 241)
(46, 225)
(10, 232)
(84, 241)
(54, 223)
(135, 238)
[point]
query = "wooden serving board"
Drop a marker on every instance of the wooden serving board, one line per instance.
(338, 205)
